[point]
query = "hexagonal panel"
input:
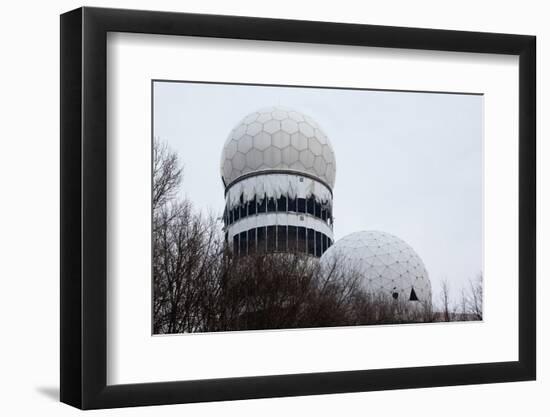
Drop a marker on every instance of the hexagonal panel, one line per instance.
(230, 149)
(254, 128)
(299, 141)
(238, 161)
(289, 126)
(246, 169)
(298, 166)
(330, 173)
(328, 154)
(245, 144)
(264, 117)
(315, 147)
(280, 139)
(295, 116)
(320, 135)
(235, 173)
(272, 126)
(306, 129)
(320, 166)
(254, 158)
(290, 155)
(307, 158)
(262, 140)
(227, 168)
(272, 157)
(238, 132)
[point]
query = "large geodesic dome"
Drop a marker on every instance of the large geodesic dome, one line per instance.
(278, 138)
(387, 265)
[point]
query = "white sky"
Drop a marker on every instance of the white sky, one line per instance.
(406, 163)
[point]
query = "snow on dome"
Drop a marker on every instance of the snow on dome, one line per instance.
(278, 138)
(387, 264)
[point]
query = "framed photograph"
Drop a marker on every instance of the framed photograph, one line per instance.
(257, 208)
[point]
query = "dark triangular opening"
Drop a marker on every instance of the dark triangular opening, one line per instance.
(413, 296)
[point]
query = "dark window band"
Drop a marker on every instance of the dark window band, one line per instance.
(283, 204)
(292, 239)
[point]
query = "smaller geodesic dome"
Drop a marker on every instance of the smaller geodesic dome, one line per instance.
(387, 265)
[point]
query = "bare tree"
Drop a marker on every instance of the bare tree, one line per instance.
(186, 249)
(186, 252)
(166, 174)
(446, 300)
(463, 303)
(474, 297)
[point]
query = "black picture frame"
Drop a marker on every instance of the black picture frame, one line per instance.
(84, 207)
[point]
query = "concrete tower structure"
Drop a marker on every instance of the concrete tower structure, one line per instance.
(278, 170)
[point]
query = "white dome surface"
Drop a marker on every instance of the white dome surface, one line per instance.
(278, 138)
(387, 264)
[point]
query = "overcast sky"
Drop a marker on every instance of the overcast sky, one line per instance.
(406, 163)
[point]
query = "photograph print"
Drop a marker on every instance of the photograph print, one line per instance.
(286, 207)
